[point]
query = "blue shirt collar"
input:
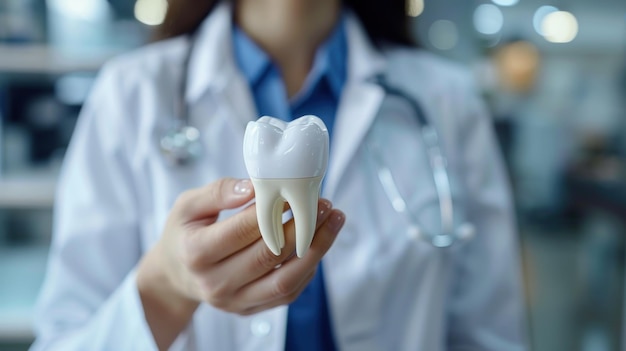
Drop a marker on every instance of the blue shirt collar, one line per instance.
(251, 59)
(330, 60)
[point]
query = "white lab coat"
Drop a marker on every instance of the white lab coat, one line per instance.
(386, 289)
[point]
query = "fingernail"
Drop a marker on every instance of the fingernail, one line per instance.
(336, 220)
(243, 187)
(323, 209)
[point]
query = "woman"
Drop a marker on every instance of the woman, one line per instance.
(147, 256)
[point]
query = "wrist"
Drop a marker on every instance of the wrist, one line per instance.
(167, 310)
(154, 283)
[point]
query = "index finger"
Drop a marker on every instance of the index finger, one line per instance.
(211, 199)
(225, 238)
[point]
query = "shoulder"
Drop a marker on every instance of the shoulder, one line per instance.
(151, 71)
(446, 90)
(131, 86)
(414, 66)
(147, 65)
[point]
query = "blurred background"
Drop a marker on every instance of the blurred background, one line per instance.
(552, 71)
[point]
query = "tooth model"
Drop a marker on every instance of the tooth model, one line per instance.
(286, 163)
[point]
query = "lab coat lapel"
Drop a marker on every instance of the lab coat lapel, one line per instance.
(211, 61)
(239, 101)
(215, 71)
(359, 104)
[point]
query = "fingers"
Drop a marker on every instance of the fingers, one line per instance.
(216, 242)
(257, 260)
(282, 301)
(233, 269)
(210, 244)
(208, 201)
(283, 282)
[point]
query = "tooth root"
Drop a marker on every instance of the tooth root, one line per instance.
(269, 209)
(302, 195)
(279, 204)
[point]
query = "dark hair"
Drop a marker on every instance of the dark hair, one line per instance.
(385, 21)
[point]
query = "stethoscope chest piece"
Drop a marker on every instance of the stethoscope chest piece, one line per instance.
(180, 145)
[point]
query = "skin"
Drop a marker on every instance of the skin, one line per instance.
(289, 32)
(226, 264)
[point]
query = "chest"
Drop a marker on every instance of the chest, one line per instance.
(377, 260)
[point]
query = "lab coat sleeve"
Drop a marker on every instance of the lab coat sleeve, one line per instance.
(486, 306)
(89, 300)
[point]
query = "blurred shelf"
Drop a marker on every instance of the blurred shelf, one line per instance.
(28, 192)
(16, 325)
(44, 59)
(22, 270)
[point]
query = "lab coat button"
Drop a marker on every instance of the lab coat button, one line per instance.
(260, 327)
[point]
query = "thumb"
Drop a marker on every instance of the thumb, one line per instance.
(209, 200)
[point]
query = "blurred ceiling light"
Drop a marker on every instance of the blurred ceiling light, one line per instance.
(488, 19)
(414, 8)
(505, 2)
(540, 14)
(559, 27)
(87, 10)
(443, 34)
(150, 12)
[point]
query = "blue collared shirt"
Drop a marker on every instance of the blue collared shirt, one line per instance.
(308, 322)
(322, 88)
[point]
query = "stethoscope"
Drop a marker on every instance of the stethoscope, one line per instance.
(180, 145)
(449, 231)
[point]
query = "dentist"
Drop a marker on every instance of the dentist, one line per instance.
(147, 256)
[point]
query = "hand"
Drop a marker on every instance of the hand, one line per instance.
(225, 264)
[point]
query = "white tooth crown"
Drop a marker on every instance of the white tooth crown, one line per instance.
(275, 149)
(286, 163)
